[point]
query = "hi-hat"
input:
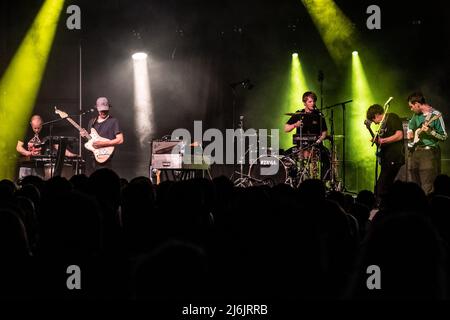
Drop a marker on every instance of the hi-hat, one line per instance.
(257, 135)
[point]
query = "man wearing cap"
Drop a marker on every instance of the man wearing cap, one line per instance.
(107, 127)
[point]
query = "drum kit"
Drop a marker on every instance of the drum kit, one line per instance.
(297, 164)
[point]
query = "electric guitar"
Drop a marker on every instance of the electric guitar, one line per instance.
(374, 138)
(419, 131)
(367, 124)
(101, 154)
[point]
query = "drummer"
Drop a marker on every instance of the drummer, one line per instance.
(311, 122)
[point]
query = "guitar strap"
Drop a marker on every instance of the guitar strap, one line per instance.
(92, 122)
(383, 126)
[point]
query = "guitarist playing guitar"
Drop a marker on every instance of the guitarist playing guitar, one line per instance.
(390, 143)
(104, 134)
(427, 128)
(107, 127)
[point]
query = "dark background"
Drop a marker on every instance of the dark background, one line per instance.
(197, 48)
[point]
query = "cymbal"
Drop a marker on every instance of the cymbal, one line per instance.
(256, 135)
(299, 113)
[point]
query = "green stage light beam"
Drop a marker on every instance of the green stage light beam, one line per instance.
(293, 98)
(336, 30)
(359, 149)
(21, 81)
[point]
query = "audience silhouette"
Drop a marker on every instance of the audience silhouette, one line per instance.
(206, 239)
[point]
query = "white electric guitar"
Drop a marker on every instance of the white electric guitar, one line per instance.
(101, 154)
(419, 131)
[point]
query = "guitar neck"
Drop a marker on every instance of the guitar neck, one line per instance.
(76, 125)
(371, 132)
(426, 123)
(432, 119)
(367, 123)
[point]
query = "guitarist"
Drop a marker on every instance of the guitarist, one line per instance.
(390, 142)
(107, 127)
(426, 156)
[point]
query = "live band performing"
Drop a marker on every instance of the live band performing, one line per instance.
(308, 159)
(198, 151)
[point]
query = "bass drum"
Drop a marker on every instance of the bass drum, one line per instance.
(272, 170)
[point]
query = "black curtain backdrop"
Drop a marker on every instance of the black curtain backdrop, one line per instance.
(197, 48)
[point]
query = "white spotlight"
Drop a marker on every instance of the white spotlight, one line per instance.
(143, 104)
(139, 56)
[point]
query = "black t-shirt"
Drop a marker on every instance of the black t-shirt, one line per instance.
(107, 129)
(392, 152)
(31, 138)
(313, 123)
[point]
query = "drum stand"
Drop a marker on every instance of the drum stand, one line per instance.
(248, 181)
(305, 169)
(244, 180)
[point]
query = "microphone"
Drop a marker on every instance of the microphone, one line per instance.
(389, 101)
(318, 110)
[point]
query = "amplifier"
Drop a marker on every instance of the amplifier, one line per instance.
(167, 147)
(167, 161)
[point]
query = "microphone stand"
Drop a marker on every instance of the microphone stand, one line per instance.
(333, 150)
(242, 141)
(321, 78)
(342, 104)
(233, 89)
(246, 84)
